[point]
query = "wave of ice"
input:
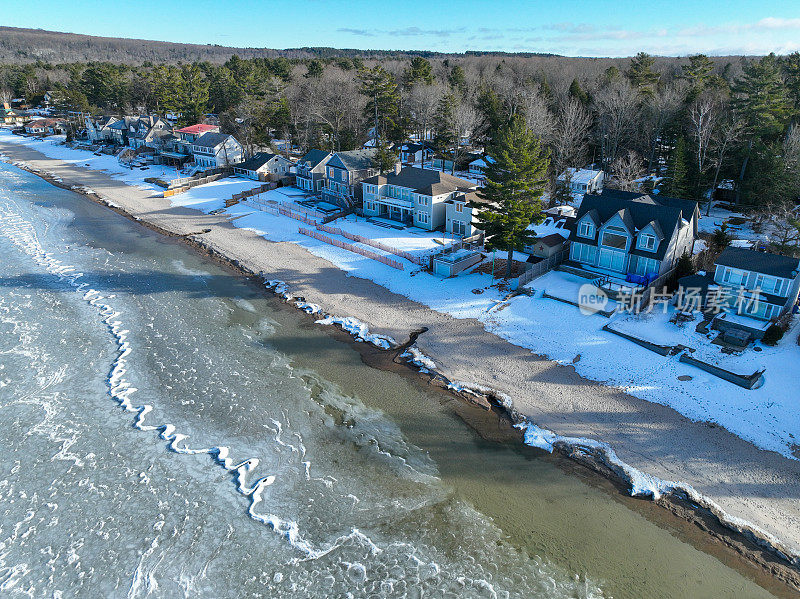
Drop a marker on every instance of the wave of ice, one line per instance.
(24, 236)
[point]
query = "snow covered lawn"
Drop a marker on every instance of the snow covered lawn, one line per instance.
(212, 196)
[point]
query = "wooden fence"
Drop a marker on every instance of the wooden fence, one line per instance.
(352, 248)
(279, 210)
(238, 197)
(540, 268)
(192, 183)
(376, 244)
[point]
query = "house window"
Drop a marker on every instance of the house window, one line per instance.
(614, 237)
(586, 229)
(422, 217)
(459, 228)
(732, 276)
(768, 284)
(647, 242)
(459, 207)
(583, 253)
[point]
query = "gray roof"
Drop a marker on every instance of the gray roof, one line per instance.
(355, 160)
(769, 264)
(256, 161)
(424, 181)
(211, 140)
(637, 210)
(314, 157)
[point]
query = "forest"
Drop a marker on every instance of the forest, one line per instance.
(692, 122)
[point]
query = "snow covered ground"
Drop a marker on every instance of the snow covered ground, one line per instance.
(766, 416)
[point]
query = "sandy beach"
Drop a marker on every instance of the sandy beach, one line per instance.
(748, 483)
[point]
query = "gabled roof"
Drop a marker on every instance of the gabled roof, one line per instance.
(638, 210)
(256, 161)
(423, 181)
(769, 264)
(579, 175)
(198, 129)
(211, 140)
(314, 157)
(355, 160)
(484, 162)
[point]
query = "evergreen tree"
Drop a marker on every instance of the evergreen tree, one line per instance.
(385, 158)
(697, 73)
(192, 94)
(577, 92)
(678, 179)
(490, 107)
(444, 137)
(314, 69)
(513, 189)
(641, 74)
(457, 79)
(419, 71)
(383, 100)
(562, 194)
(761, 98)
(791, 70)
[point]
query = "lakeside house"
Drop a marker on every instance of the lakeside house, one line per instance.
(263, 166)
(747, 290)
(45, 127)
(214, 150)
(310, 170)
(418, 197)
(552, 233)
(344, 173)
(629, 233)
(9, 116)
(582, 180)
(98, 128)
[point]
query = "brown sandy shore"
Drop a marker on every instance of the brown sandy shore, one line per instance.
(759, 487)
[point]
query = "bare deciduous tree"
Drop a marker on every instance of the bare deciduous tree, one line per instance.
(626, 171)
(616, 105)
(570, 135)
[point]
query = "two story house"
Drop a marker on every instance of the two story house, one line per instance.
(418, 197)
(188, 135)
(344, 173)
(310, 170)
(98, 128)
(264, 166)
(621, 233)
(757, 284)
(213, 150)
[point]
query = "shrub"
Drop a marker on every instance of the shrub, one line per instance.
(773, 334)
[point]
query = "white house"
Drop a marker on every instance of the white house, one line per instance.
(413, 196)
(212, 150)
(412, 152)
(478, 167)
(263, 166)
(583, 180)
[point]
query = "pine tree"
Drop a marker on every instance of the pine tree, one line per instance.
(641, 74)
(383, 99)
(761, 98)
(697, 73)
(513, 189)
(678, 180)
(314, 69)
(457, 79)
(419, 71)
(192, 94)
(385, 158)
(577, 92)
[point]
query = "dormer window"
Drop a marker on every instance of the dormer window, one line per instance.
(647, 241)
(615, 237)
(586, 229)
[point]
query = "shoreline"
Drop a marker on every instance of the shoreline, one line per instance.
(762, 552)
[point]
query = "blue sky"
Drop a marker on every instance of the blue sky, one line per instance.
(570, 27)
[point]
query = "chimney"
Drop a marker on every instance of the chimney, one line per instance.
(398, 166)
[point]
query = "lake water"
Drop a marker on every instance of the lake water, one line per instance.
(168, 430)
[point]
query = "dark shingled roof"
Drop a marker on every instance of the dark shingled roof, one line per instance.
(256, 161)
(423, 181)
(314, 157)
(551, 240)
(355, 160)
(762, 262)
(210, 140)
(637, 210)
